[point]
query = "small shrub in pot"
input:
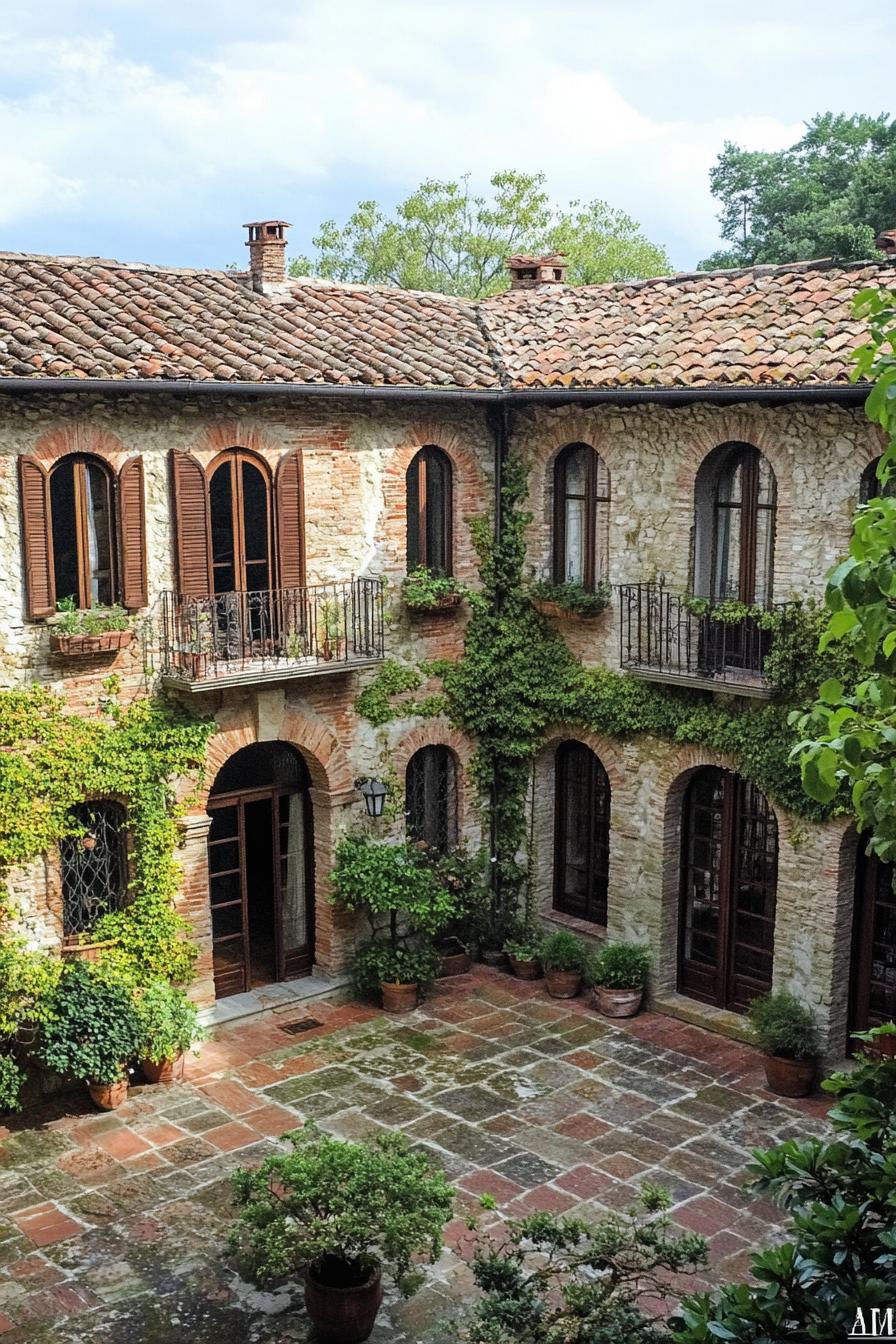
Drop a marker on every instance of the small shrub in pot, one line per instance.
(619, 974)
(398, 972)
(786, 1032)
(564, 959)
(343, 1214)
(524, 953)
(169, 1027)
(92, 1032)
(425, 590)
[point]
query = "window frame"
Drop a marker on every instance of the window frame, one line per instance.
(748, 458)
(418, 485)
(438, 823)
(79, 463)
(234, 458)
(595, 540)
(85, 814)
(597, 806)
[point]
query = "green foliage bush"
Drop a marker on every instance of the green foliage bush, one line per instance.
(841, 1255)
(12, 1077)
(556, 1280)
(392, 879)
(380, 962)
(423, 589)
(784, 1026)
(563, 951)
(620, 966)
(168, 1022)
(525, 945)
(95, 621)
(92, 1029)
(344, 1208)
(574, 597)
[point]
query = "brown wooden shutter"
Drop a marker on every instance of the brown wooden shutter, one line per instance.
(132, 531)
(291, 521)
(37, 548)
(192, 525)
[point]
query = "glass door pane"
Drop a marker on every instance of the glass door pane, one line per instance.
(294, 860)
(226, 882)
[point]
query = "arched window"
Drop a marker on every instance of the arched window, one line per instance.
(735, 504)
(239, 493)
(581, 514)
(581, 833)
(429, 508)
(94, 866)
(82, 532)
(431, 798)
(729, 871)
(870, 487)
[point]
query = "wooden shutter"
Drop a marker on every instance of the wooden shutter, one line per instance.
(291, 521)
(132, 532)
(34, 490)
(192, 525)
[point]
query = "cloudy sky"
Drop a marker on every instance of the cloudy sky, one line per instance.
(152, 129)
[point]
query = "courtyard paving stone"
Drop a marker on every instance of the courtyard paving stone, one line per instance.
(112, 1226)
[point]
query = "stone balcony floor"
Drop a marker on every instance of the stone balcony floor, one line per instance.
(111, 1225)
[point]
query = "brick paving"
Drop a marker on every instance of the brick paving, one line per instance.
(111, 1225)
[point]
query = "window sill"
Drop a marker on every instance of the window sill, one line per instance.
(585, 927)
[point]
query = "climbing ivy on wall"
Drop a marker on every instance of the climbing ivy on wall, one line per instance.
(51, 759)
(517, 676)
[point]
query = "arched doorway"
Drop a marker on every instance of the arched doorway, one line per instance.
(872, 998)
(260, 866)
(729, 870)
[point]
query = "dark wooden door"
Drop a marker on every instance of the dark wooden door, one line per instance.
(728, 882)
(260, 887)
(873, 988)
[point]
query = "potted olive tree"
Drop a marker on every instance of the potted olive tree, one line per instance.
(169, 1027)
(787, 1034)
(342, 1214)
(406, 902)
(618, 975)
(564, 959)
(91, 1033)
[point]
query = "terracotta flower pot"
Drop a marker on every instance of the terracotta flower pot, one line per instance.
(617, 1002)
(108, 1096)
(790, 1077)
(493, 956)
(448, 602)
(342, 1315)
(454, 963)
(398, 999)
(530, 969)
(168, 1071)
(85, 646)
(562, 984)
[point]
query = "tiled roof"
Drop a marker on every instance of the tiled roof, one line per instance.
(88, 318)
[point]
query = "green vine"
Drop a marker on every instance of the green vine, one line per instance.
(52, 759)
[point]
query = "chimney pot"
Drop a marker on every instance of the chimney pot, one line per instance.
(267, 252)
(528, 272)
(886, 242)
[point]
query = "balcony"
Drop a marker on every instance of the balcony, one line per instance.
(239, 639)
(662, 638)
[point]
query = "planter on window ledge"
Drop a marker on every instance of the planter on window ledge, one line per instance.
(571, 601)
(431, 594)
(74, 950)
(84, 646)
(84, 634)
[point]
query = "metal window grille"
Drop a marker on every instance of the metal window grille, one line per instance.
(431, 798)
(94, 866)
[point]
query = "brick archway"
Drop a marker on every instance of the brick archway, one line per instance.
(78, 437)
(439, 733)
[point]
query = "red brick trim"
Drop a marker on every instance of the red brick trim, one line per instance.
(439, 733)
(606, 749)
(81, 438)
(245, 434)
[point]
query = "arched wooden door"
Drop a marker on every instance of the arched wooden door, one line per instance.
(260, 865)
(729, 866)
(873, 987)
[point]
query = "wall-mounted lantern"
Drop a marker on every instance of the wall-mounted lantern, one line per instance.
(374, 793)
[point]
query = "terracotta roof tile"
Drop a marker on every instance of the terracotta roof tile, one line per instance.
(85, 317)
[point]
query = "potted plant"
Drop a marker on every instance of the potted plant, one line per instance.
(424, 590)
(329, 620)
(787, 1034)
(619, 976)
(397, 972)
(76, 634)
(342, 1214)
(169, 1026)
(570, 599)
(564, 960)
(462, 878)
(91, 1033)
(523, 952)
(878, 1042)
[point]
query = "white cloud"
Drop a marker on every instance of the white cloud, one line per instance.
(154, 113)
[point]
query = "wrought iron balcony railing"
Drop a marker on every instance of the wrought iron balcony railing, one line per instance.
(664, 636)
(239, 638)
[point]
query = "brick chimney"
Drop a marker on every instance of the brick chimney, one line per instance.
(267, 252)
(886, 241)
(528, 272)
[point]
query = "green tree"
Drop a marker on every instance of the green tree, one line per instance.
(849, 737)
(447, 239)
(827, 195)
